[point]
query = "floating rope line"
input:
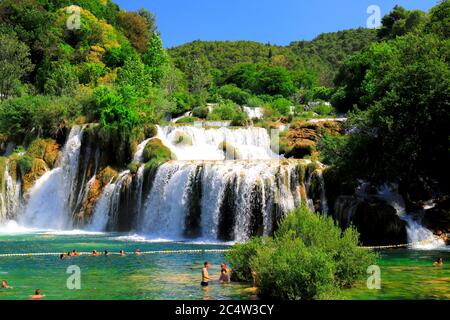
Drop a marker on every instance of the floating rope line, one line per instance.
(113, 253)
(406, 245)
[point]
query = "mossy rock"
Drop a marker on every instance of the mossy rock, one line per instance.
(182, 138)
(38, 169)
(87, 209)
(150, 131)
(3, 164)
(155, 149)
(44, 149)
(231, 153)
(302, 137)
(106, 175)
(134, 167)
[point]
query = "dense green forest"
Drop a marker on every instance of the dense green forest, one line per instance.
(393, 82)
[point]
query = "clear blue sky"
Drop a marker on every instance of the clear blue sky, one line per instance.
(275, 21)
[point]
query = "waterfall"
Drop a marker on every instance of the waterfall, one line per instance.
(9, 196)
(254, 113)
(220, 200)
(198, 143)
(415, 231)
(107, 207)
(52, 198)
(138, 156)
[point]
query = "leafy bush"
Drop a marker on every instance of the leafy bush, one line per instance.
(187, 120)
(200, 112)
(223, 111)
(282, 106)
(25, 164)
(254, 102)
(233, 93)
(239, 119)
(308, 258)
(38, 115)
(323, 110)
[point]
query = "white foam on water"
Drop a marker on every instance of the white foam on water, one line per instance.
(198, 143)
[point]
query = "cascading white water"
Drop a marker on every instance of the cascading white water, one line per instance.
(254, 113)
(138, 156)
(250, 188)
(9, 196)
(107, 206)
(415, 231)
(198, 143)
(52, 198)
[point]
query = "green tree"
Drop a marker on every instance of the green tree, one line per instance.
(275, 81)
(136, 75)
(155, 57)
(199, 75)
(61, 80)
(15, 63)
(440, 20)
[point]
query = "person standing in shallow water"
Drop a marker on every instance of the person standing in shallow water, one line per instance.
(224, 273)
(205, 274)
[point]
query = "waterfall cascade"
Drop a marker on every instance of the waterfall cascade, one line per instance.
(222, 184)
(212, 198)
(229, 200)
(9, 196)
(53, 197)
(198, 143)
(416, 232)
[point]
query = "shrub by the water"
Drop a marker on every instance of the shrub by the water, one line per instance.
(309, 257)
(200, 112)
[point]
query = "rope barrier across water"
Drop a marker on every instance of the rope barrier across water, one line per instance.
(406, 245)
(114, 253)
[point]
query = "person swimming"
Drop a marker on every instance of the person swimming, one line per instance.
(205, 274)
(122, 253)
(138, 251)
(75, 253)
(438, 262)
(95, 253)
(106, 252)
(5, 285)
(224, 273)
(37, 295)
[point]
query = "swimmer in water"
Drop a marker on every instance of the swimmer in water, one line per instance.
(138, 251)
(37, 295)
(94, 253)
(122, 253)
(439, 262)
(5, 285)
